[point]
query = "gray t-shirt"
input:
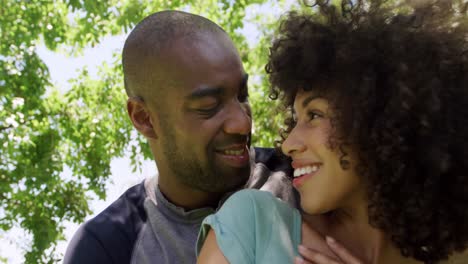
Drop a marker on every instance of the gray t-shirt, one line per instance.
(169, 234)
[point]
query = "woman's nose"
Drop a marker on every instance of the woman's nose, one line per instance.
(293, 143)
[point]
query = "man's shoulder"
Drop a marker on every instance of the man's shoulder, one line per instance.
(273, 159)
(128, 207)
(114, 230)
(125, 215)
(272, 172)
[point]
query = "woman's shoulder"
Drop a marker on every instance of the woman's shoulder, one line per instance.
(249, 216)
(254, 198)
(252, 194)
(260, 207)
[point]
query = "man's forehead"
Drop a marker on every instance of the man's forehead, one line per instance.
(208, 49)
(194, 68)
(215, 90)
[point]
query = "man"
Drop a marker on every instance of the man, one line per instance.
(188, 96)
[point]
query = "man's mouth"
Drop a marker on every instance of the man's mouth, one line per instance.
(233, 152)
(235, 155)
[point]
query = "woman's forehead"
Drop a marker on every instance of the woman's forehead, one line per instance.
(304, 98)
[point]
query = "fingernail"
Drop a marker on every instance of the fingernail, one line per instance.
(330, 240)
(302, 248)
(298, 260)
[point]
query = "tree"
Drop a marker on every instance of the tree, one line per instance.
(42, 130)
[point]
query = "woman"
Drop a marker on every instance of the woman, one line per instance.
(378, 138)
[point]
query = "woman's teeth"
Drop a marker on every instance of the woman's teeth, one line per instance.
(305, 170)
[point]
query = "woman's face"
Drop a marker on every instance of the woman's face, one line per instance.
(318, 176)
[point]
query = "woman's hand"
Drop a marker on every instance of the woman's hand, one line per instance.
(310, 256)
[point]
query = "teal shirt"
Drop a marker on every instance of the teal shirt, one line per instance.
(255, 227)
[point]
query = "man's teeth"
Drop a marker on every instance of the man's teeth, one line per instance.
(305, 170)
(234, 152)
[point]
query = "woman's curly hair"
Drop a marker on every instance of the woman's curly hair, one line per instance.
(397, 79)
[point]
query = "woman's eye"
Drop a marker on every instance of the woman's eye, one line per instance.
(313, 115)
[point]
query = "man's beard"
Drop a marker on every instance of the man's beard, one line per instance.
(192, 172)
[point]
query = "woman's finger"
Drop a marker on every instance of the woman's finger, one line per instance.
(312, 256)
(299, 260)
(342, 252)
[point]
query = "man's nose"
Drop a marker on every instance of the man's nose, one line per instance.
(239, 119)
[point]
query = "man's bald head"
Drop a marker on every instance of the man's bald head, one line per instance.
(149, 41)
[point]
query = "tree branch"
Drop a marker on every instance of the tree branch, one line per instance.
(5, 127)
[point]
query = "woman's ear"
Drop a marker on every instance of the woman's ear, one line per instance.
(140, 116)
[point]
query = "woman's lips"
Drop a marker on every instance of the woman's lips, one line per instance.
(304, 172)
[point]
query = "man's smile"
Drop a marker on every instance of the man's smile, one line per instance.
(235, 155)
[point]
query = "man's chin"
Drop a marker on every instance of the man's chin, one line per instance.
(236, 179)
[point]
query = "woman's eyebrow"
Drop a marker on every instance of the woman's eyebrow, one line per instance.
(309, 99)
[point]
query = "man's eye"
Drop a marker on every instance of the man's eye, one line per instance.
(208, 110)
(243, 95)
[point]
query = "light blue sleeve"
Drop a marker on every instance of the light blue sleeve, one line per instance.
(233, 225)
(249, 229)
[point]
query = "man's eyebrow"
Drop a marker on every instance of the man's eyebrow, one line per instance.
(213, 91)
(204, 92)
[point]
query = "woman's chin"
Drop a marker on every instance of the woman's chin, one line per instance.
(313, 208)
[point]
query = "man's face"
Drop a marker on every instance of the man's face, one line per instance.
(205, 119)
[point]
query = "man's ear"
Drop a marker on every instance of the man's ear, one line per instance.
(141, 117)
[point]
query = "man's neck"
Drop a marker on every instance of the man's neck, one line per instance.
(186, 197)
